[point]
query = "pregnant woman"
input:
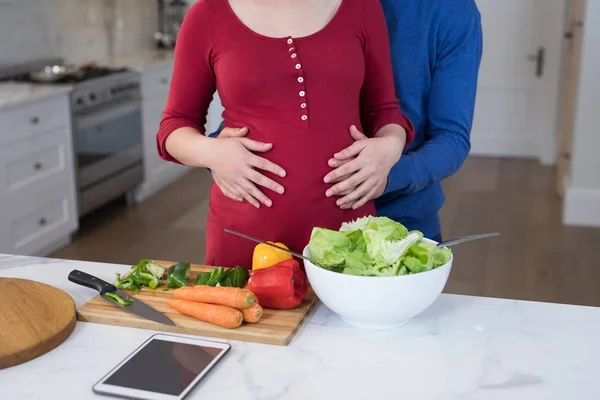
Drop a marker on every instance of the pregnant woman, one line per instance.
(298, 74)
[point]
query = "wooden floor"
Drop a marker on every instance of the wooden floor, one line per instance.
(535, 258)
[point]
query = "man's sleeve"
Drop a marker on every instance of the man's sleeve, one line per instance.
(218, 131)
(451, 105)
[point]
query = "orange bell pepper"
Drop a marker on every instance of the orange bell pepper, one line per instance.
(266, 256)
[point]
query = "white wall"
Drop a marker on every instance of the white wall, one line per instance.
(582, 200)
(74, 29)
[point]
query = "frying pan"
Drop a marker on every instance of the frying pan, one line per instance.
(57, 72)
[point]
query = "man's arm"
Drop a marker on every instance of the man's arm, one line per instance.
(218, 131)
(451, 106)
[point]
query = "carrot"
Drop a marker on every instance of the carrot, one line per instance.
(226, 296)
(222, 316)
(253, 313)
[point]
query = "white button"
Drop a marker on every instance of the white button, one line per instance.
(300, 79)
(298, 66)
(294, 55)
(291, 49)
(289, 41)
(304, 118)
(303, 105)
(302, 93)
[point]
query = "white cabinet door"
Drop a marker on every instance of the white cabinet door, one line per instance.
(37, 180)
(151, 116)
(157, 172)
(515, 114)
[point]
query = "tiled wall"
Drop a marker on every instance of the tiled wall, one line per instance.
(77, 30)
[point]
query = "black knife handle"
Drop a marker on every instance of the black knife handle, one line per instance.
(87, 280)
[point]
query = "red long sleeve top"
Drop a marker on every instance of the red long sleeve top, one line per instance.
(300, 94)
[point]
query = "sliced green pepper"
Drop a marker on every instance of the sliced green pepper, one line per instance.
(118, 299)
(202, 278)
(226, 278)
(216, 275)
(145, 273)
(177, 274)
(232, 277)
(239, 277)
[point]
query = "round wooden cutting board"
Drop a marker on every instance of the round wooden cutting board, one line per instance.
(34, 319)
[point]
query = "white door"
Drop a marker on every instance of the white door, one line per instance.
(569, 86)
(516, 109)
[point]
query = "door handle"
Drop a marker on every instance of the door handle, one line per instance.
(538, 58)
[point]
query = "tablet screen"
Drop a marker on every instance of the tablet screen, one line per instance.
(164, 367)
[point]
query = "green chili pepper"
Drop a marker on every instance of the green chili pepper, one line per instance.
(177, 274)
(118, 299)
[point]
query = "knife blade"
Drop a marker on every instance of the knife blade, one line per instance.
(137, 307)
(269, 244)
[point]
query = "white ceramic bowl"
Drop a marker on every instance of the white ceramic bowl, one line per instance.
(377, 303)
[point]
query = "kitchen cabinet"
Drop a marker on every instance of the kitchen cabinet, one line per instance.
(155, 89)
(37, 188)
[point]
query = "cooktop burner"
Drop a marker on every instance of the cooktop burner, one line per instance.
(82, 75)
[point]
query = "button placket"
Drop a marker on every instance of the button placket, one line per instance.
(297, 65)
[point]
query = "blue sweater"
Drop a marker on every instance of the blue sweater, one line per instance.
(436, 51)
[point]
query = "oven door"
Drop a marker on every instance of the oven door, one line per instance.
(108, 141)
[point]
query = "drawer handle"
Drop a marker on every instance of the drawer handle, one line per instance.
(37, 166)
(35, 120)
(42, 222)
(164, 81)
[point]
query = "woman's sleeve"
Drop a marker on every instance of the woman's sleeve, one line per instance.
(193, 83)
(379, 104)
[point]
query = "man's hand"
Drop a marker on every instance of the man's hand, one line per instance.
(233, 133)
(246, 188)
(362, 169)
(336, 163)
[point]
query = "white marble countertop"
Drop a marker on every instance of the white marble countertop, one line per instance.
(460, 348)
(13, 95)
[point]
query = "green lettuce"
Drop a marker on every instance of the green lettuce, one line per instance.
(329, 248)
(375, 246)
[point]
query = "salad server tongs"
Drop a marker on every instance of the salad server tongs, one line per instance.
(270, 244)
(463, 239)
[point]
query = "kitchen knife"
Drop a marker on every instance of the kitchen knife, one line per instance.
(270, 244)
(137, 307)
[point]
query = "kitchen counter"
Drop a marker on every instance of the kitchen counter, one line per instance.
(460, 348)
(13, 95)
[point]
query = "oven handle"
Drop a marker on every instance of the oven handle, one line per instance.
(106, 112)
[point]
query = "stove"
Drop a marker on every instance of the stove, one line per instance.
(107, 131)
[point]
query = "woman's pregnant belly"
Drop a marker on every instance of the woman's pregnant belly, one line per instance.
(294, 213)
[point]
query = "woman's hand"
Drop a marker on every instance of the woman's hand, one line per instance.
(235, 168)
(362, 168)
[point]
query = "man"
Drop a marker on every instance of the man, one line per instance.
(436, 48)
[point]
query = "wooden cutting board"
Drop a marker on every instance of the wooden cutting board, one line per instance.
(34, 319)
(275, 327)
